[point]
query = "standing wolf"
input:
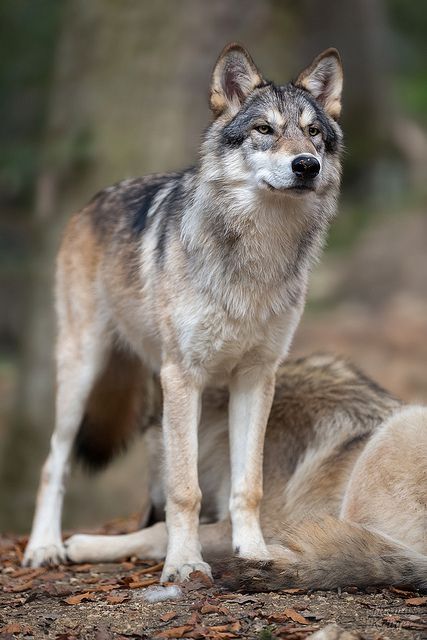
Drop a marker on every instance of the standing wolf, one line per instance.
(202, 276)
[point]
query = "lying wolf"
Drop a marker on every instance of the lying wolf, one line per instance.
(345, 486)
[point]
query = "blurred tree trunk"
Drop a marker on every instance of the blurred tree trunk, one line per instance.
(360, 31)
(129, 96)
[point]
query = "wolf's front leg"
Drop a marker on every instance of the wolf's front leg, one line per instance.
(251, 396)
(181, 410)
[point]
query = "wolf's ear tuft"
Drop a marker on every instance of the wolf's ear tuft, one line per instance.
(323, 79)
(234, 77)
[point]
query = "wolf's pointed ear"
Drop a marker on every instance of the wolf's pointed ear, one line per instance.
(234, 77)
(323, 79)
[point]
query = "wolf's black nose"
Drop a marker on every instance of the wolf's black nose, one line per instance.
(305, 166)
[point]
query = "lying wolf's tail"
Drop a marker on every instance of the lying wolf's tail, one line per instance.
(122, 401)
(334, 553)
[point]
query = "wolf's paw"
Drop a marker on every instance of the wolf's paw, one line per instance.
(44, 555)
(178, 572)
(83, 548)
(252, 551)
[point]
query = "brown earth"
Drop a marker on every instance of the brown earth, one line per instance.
(106, 602)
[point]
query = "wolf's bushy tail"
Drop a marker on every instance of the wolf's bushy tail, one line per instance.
(332, 553)
(121, 401)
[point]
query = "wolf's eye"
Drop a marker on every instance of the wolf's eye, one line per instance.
(313, 131)
(264, 129)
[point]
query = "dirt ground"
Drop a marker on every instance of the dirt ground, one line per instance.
(108, 601)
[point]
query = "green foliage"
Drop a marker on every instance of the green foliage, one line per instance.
(266, 634)
(411, 91)
(409, 27)
(28, 31)
(72, 152)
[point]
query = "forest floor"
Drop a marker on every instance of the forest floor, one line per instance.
(110, 601)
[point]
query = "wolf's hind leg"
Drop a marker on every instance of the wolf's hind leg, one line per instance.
(79, 361)
(251, 396)
(147, 544)
(387, 490)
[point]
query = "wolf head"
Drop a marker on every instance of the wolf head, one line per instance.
(281, 139)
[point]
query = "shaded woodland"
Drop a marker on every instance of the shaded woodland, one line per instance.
(93, 92)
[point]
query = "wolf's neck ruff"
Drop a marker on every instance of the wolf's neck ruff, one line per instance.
(250, 248)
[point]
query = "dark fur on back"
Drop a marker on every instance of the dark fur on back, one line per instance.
(126, 205)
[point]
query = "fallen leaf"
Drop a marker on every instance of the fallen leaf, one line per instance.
(392, 620)
(15, 627)
(193, 619)
(79, 597)
(416, 602)
(103, 588)
(82, 568)
(293, 590)
(210, 608)
(18, 588)
(403, 592)
(288, 614)
(349, 589)
(28, 572)
(143, 583)
(116, 599)
(53, 576)
(154, 569)
(19, 553)
(91, 580)
(169, 615)
(199, 576)
(174, 632)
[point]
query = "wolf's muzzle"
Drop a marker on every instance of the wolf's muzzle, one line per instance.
(305, 166)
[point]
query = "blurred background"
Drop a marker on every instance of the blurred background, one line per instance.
(92, 92)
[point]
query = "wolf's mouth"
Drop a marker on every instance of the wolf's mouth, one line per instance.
(295, 188)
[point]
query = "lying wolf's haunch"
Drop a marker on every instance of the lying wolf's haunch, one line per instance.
(380, 537)
(326, 555)
(344, 468)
